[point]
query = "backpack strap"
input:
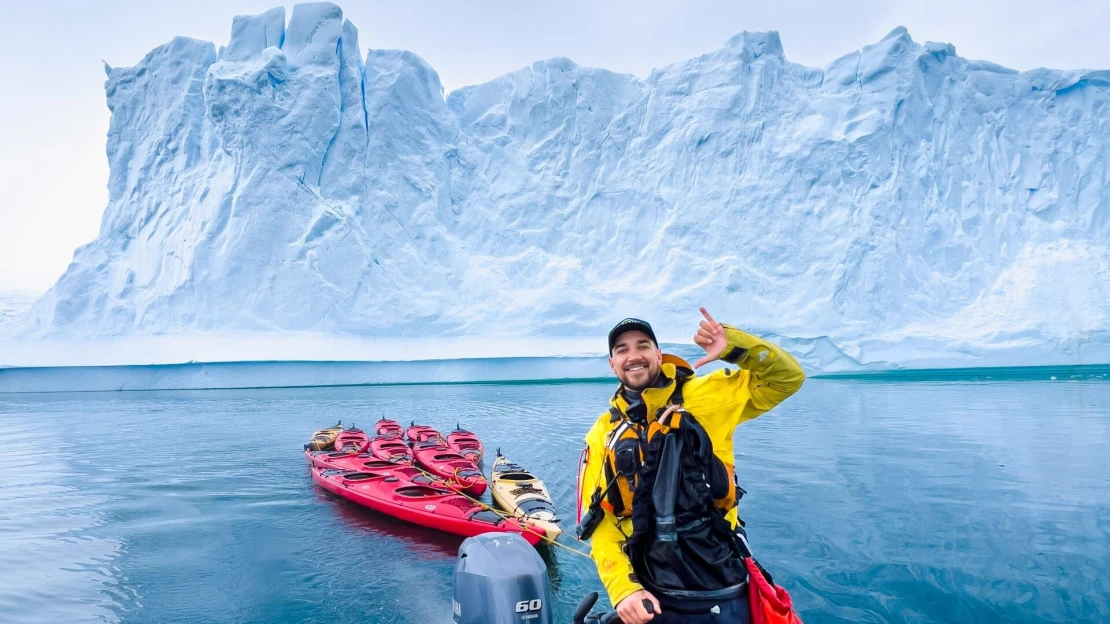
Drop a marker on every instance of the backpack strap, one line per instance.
(680, 379)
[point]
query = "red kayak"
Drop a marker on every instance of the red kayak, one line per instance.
(425, 505)
(387, 427)
(466, 444)
(447, 464)
(391, 449)
(336, 459)
(352, 441)
(364, 462)
(423, 433)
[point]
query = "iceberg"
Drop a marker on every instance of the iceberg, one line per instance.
(900, 207)
(15, 306)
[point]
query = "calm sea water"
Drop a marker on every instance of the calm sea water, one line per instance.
(872, 502)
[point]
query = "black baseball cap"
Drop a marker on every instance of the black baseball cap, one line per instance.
(630, 324)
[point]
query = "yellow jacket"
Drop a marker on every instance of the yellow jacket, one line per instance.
(720, 401)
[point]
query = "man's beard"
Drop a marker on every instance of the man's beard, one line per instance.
(652, 375)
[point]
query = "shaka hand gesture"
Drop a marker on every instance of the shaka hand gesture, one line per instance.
(711, 337)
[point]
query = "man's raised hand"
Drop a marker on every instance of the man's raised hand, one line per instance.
(711, 337)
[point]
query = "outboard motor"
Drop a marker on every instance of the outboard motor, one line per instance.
(500, 579)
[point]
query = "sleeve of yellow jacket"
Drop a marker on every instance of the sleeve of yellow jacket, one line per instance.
(773, 374)
(613, 566)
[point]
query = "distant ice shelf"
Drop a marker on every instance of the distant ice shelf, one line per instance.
(264, 361)
(240, 375)
(483, 371)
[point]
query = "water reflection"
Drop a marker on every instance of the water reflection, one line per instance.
(423, 543)
(52, 568)
(871, 502)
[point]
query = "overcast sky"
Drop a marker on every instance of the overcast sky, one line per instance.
(53, 119)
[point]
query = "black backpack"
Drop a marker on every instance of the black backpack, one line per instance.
(681, 544)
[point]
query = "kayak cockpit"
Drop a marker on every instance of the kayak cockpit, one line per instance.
(444, 457)
(418, 491)
(516, 476)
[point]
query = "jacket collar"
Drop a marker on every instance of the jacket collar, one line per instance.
(654, 396)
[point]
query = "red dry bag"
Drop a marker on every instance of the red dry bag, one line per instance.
(769, 603)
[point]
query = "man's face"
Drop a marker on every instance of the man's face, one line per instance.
(635, 359)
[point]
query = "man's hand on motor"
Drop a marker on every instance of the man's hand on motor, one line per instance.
(711, 337)
(632, 610)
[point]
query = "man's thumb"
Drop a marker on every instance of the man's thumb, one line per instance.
(703, 361)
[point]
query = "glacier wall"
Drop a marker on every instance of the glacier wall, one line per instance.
(900, 205)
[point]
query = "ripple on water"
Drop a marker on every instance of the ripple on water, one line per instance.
(871, 502)
(51, 568)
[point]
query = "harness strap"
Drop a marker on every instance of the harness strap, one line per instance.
(618, 493)
(679, 381)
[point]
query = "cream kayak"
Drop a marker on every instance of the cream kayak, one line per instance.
(323, 439)
(521, 493)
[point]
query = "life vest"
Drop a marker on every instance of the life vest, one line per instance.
(628, 441)
(682, 546)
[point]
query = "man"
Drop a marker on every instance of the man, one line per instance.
(656, 481)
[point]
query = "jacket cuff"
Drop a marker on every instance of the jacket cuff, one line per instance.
(624, 592)
(733, 355)
(739, 342)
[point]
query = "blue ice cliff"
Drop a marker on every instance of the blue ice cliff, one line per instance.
(901, 204)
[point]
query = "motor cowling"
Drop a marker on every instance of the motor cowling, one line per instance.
(500, 579)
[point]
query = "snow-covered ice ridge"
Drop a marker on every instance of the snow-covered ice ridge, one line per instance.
(902, 206)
